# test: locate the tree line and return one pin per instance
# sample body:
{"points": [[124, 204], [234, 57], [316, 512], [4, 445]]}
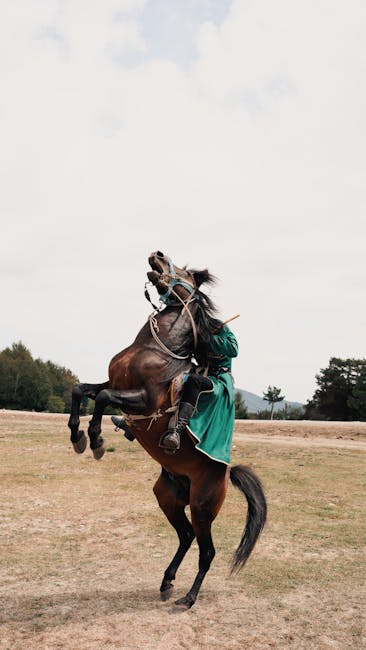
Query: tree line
{"points": [[340, 396], [33, 384], [272, 396], [341, 392]]}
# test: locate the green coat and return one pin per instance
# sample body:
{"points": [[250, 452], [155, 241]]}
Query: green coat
{"points": [[212, 425]]}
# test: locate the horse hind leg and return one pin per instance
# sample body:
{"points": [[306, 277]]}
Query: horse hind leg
{"points": [[78, 438], [202, 529], [205, 504], [172, 497]]}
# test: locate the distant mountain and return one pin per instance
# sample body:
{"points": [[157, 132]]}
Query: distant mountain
{"points": [[254, 403]]}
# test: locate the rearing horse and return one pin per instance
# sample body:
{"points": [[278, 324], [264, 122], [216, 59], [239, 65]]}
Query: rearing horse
{"points": [[140, 379]]}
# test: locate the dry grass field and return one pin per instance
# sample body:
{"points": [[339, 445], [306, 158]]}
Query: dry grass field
{"points": [[84, 544]]}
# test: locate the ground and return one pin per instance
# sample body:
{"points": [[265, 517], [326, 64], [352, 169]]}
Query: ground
{"points": [[84, 544]]}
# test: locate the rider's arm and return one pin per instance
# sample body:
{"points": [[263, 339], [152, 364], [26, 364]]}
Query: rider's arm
{"points": [[225, 343]]}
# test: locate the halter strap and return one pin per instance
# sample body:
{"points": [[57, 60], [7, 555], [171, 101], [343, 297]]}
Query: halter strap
{"points": [[174, 279]]}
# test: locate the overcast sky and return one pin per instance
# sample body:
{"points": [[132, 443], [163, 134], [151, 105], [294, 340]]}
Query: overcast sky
{"points": [[230, 134]]}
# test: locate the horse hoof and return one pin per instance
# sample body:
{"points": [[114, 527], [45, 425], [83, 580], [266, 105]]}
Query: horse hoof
{"points": [[80, 445], [183, 603], [98, 453], [166, 594]]}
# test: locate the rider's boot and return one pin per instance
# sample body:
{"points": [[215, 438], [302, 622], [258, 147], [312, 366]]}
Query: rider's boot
{"points": [[120, 423], [170, 441]]}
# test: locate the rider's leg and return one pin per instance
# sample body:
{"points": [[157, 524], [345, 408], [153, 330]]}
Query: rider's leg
{"points": [[120, 423], [193, 387]]}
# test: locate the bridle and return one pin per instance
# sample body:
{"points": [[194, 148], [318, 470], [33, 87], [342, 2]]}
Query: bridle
{"points": [[171, 279]]}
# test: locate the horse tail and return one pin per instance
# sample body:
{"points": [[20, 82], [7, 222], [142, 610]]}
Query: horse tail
{"points": [[248, 483]]}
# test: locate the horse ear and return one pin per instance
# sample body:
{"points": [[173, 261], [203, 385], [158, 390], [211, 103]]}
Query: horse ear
{"points": [[201, 277]]}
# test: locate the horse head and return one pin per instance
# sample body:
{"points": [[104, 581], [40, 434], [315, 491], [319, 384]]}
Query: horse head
{"points": [[170, 280]]}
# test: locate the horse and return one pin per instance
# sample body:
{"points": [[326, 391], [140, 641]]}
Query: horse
{"points": [[140, 383]]}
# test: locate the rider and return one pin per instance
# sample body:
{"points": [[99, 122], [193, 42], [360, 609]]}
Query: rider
{"points": [[207, 401]]}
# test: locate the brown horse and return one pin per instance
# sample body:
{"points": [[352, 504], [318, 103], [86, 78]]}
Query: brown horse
{"points": [[140, 379]]}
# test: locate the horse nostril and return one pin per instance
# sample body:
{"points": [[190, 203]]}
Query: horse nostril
{"points": [[159, 254]]}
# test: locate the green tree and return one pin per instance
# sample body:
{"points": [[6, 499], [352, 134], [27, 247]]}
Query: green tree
{"points": [[357, 400], [24, 383], [62, 382], [37, 389], [265, 414], [273, 395], [18, 352], [55, 404], [294, 412], [339, 392], [30, 384], [241, 411], [289, 413], [9, 379]]}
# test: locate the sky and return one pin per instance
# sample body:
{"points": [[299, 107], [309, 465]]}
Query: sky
{"points": [[229, 134]]}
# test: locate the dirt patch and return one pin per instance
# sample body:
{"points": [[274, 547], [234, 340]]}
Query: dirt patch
{"points": [[84, 544]]}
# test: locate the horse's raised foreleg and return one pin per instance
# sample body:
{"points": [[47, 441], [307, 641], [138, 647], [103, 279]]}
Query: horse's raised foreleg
{"points": [[130, 401], [173, 496], [77, 437], [205, 504]]}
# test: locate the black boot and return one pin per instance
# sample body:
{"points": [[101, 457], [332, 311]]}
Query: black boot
{"points": [[120, 423], [170, 441]]}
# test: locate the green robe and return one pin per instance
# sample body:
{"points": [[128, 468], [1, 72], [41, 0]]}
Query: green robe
{"points": [[212, 425]]}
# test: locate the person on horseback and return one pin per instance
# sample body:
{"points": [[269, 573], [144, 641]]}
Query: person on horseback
{"points": [[207, 396], [207, 401]]}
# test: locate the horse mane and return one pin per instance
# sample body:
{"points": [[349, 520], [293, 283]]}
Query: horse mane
{"points": [[207, 324], [206, 319]]}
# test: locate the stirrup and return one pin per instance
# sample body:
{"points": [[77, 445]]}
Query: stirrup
{"points": [[172, 449]]}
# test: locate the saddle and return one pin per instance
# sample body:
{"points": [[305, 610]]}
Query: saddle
{"points": [[175, 390]]}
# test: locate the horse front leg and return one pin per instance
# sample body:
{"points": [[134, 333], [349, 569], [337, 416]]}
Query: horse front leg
{"points": [[78, 438], [130, 401]]}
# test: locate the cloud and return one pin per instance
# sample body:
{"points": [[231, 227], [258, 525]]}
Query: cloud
{"points": [[249, 160]]}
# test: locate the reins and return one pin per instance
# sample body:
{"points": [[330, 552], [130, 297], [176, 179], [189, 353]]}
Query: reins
{"points": [[154, 328], [185, 304]]}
